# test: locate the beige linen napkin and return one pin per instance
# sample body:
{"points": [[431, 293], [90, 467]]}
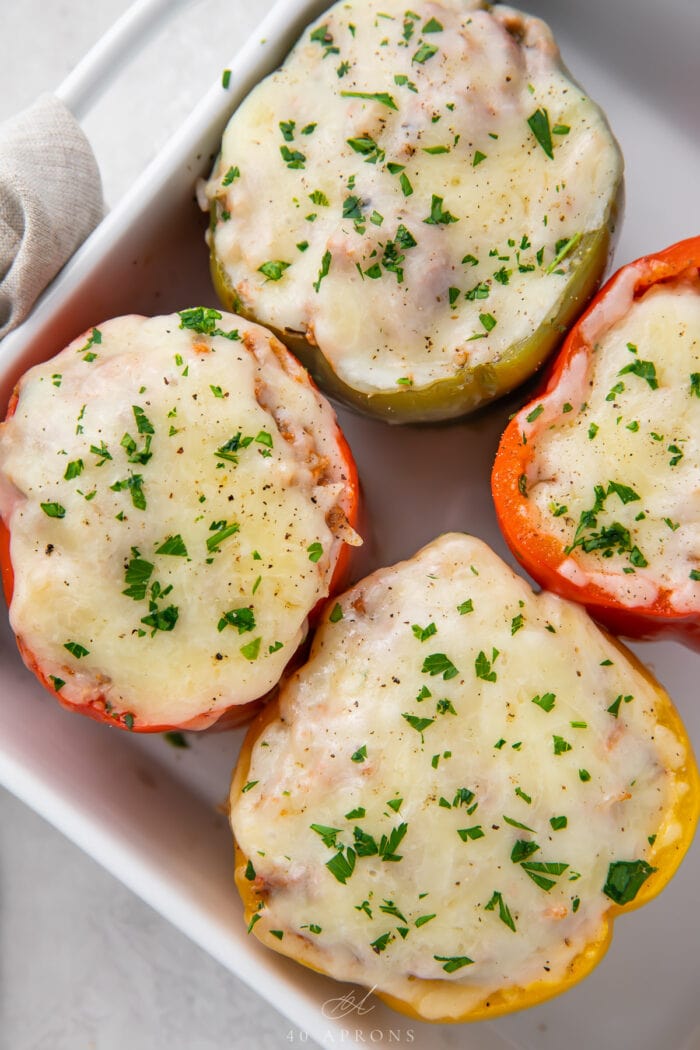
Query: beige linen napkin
{"points": [[50, 200]]}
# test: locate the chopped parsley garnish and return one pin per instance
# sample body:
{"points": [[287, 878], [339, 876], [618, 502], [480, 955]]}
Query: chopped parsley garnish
{"points": [[76, 649], [222, 531], [159, 619], [424, 52], [403, 81], [336, 613], [323, 272], [137, 576], [102, 451], [406, 187], [417, 723], [360, 755], [546, 701], [644, 369], [230, 176], [377, 96], [53, 510], [479, 291], [611, 538], [94, 340], [504, 913], [438, 216], [625, 879], [423, 633], [242, 620], [478, 158], [465, 607], [439, 664], [315, 552], [539, 870], [134, 485], [174, 545], [614, 708], [369, 149], [483, 667], [273, 269], [74, 469], [389, 844], [477, 832], [517, 824], [251, 651], [564, 248], [293, 158], [560, 746], [389, 908], [381, 942], [539, 126], [328, 835], [203, 319], [56, 682], [453, 962], [422, 919], [677, 455], [523, 849], [557, 823]]}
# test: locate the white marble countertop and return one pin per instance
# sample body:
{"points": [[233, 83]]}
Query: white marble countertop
{"points": [[85, 964]]}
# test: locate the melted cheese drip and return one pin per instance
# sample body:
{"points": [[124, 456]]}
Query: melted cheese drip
{"points": [[378, 321], [482, 733], [196, 393], [647, 438]]}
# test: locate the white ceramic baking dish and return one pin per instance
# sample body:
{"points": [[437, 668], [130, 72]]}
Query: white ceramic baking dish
{"points": [[150, 814]]}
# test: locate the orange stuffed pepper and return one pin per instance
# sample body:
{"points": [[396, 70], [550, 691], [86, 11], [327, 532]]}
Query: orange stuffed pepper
{"points": [[597, 481]]}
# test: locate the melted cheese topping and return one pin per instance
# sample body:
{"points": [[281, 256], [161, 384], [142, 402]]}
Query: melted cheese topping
{"points": [[169, 495], [484, 752], [387, 192], [639, 431]]}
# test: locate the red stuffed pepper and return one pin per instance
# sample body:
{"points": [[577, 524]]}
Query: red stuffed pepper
{"points": [[597, 481], [177, 502]]}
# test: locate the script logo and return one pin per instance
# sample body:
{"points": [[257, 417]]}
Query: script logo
{"points": [[347, 1004]]}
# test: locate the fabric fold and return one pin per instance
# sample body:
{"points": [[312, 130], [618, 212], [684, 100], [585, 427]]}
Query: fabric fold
{"points": [[50, 200]]}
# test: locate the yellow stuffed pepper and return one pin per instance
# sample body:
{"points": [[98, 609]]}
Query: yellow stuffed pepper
{"points": [[460, 791]]}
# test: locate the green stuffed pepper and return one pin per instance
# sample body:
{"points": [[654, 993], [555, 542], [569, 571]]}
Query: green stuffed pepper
{"points": [[419, 202]]}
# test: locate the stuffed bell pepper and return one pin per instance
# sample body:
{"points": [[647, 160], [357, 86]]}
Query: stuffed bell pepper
{"points": [[418, 203], [455, 797], [597, 480], [177, 499]]}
